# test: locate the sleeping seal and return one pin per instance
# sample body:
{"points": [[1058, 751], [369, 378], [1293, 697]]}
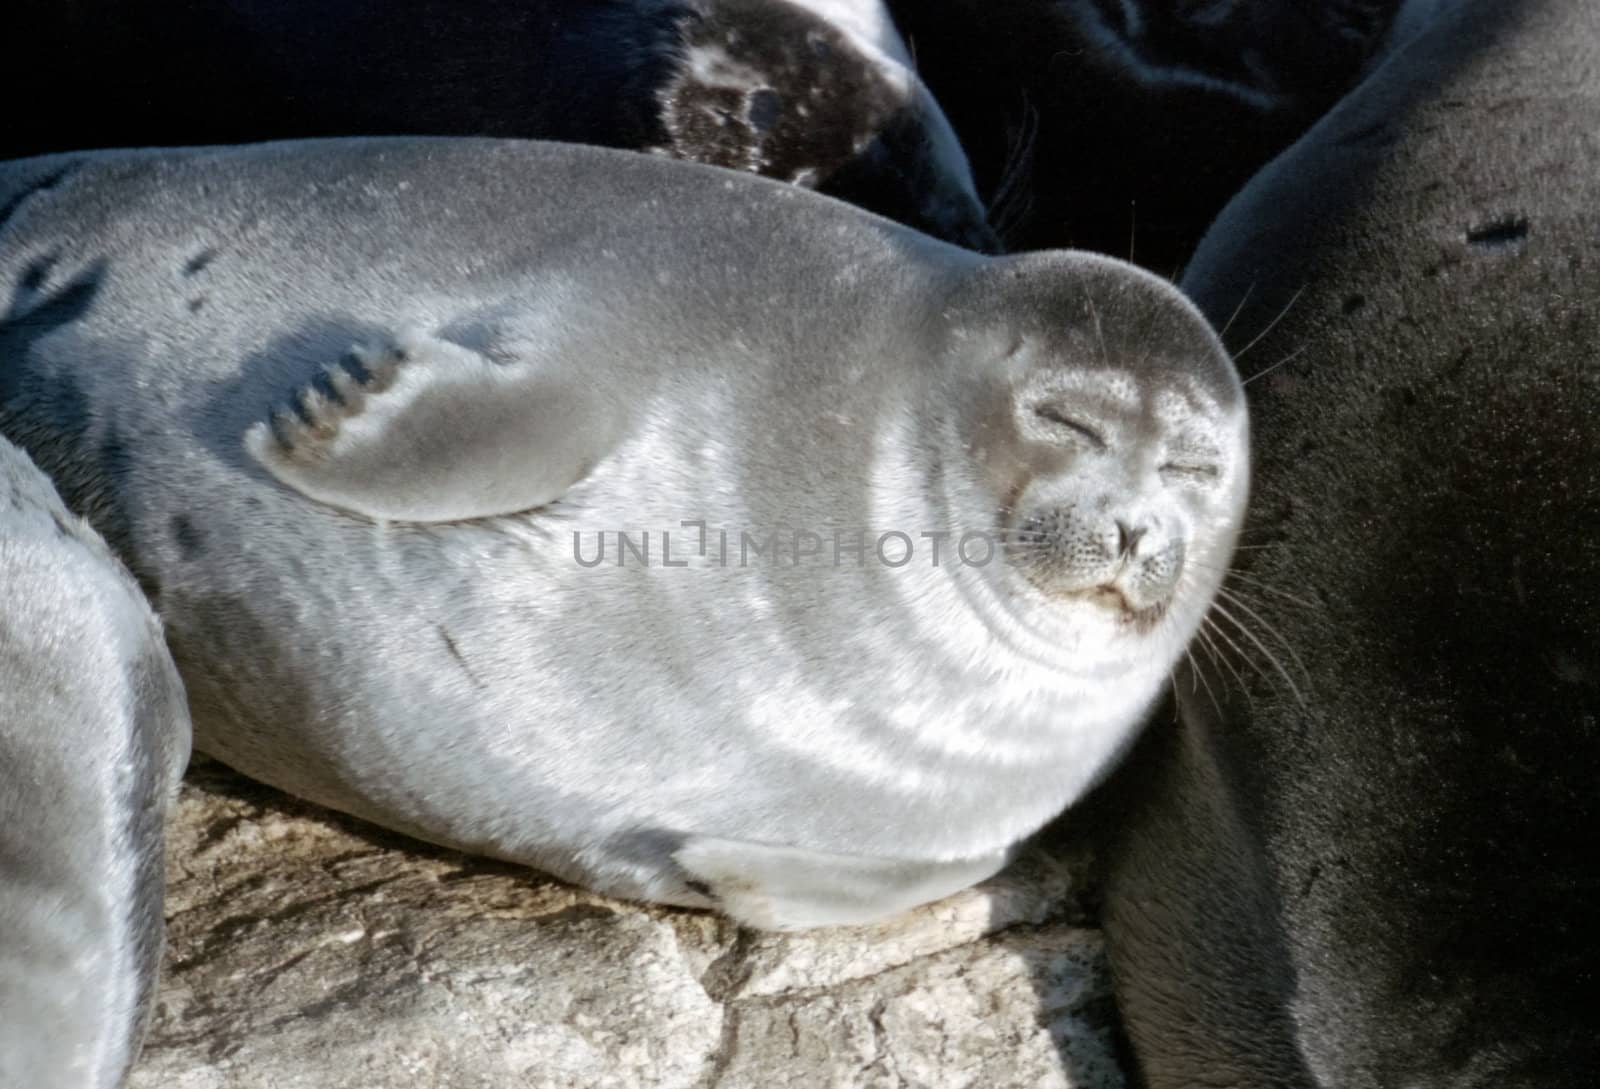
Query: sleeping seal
{"points": [[1392, 881], [93, 736], [680, 533], [821, 93]]}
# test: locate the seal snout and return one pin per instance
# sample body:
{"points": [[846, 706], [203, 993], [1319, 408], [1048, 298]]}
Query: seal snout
{"points": [[1129, 536], [1126, 561]]}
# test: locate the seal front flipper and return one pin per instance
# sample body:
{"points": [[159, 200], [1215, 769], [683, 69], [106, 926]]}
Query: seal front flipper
{"points": [[791, 888], [422, 429]]}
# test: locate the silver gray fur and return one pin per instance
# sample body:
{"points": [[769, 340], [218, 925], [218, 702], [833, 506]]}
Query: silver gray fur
{"points": [[633, 343], [93, 736]]}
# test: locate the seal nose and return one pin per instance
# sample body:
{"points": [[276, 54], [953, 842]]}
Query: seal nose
{"points": [[1128, 537]]}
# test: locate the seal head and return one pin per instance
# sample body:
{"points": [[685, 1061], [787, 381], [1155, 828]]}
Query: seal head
{"points": [[1113, 447], [821, 95]]}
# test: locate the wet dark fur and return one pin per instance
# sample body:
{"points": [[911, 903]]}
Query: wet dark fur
{"points": [[1393, 881], [1112, 157], [101, 73]]}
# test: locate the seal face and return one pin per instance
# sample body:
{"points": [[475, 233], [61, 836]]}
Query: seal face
{"points": [[1114, 526], [597, 523]]}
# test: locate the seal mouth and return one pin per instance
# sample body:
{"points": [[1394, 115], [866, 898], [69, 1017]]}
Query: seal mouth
{"points": [[1111, 597]]}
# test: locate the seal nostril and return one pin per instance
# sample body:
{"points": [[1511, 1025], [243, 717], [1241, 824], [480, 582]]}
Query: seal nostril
{"points": [[1128, 537]]}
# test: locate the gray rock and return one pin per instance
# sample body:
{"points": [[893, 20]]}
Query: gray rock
{"points": [[306, 950]]}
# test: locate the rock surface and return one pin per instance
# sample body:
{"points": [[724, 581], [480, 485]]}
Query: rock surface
{"points": [[306, 950]]}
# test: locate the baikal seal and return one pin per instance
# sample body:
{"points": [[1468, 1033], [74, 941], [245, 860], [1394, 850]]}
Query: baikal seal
{"points": [[343, 406]]}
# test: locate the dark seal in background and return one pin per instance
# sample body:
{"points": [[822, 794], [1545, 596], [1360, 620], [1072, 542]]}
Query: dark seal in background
{"points": [[1111, 111], [1392, 879], [761, 85]]}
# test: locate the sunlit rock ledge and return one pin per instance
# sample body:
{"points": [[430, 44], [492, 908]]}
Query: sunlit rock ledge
{"points": [[306, 950]]}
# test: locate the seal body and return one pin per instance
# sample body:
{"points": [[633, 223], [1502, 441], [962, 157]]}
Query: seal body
{"points": [[1391, 881], [362, 415], [93, 735], [821, 93], [1124, 126]]}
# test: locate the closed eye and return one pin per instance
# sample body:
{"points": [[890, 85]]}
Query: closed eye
{"points": [[1056, 414], [1196, 472]]}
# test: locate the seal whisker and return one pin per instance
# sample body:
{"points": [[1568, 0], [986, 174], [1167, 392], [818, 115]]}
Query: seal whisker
{"points": [[1021, 211], [1099, 330], [1254, 533], [1230, 573], [1236, 310], [1271, 325], [1244, 658], [1204, 634], [1199, 675], [1217, 629], [1265, 587], [1151, 342], [1004, 210], [1244, 603], [1010, 171], [1291, 357], [1244, 630]]}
